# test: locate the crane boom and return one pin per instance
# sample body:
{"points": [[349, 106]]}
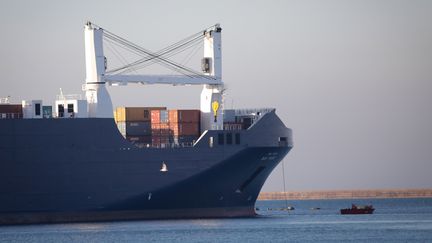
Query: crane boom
{"points": [[161, 79]]}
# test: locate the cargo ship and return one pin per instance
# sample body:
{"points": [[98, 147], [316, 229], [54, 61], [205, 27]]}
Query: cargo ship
{"points": [[82, 160]]}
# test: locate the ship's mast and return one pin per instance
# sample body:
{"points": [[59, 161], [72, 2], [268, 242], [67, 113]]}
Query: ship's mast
{"points": [[99, 101], [211, 95]]}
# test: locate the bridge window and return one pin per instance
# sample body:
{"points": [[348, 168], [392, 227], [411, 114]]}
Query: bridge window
{"points": [[37, 109], [283, 141], [60, 110], [221, 139], [229, 138], [237, 138], [70, 108]]}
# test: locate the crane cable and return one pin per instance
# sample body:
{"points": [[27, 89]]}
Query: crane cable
{"points": [[146, 61], [146, 58], [128, 67], [148, 53], [157, 57]]}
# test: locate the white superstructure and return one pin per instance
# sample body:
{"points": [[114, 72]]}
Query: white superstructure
{"points": [[70, 106], [32, 109]]}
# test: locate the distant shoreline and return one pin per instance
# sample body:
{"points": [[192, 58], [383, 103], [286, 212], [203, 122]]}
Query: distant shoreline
{"points": [[347, 194]]}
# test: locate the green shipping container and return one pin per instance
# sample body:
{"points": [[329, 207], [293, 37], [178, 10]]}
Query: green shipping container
{"points": [[47, 111]]}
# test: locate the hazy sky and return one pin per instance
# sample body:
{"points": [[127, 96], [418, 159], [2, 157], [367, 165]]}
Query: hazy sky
{"points": [[353, 79]]}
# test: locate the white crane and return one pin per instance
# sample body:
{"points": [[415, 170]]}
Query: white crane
{"points": [[99, 101]]}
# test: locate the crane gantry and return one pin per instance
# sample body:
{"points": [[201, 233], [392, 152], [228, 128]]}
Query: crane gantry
{"points": [[97, 77]]}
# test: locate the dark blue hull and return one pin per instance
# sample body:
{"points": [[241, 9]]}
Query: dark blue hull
{"points": [[66, 170]]}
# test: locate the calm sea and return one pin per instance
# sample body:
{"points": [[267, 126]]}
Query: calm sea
{"points": [[395, 220]]}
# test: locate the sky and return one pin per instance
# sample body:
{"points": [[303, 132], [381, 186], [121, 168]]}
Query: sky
{"points": [[353, 79]]}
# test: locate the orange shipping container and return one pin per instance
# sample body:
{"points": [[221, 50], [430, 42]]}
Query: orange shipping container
{"points": [[161, 132], [160, 126], [161, 129], [159, 116], [185, 129], [184, 116], [155, 116]]}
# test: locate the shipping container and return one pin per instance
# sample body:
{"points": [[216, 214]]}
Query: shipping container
{"points": [[138, 128], [132, 114], [139, 139], [160, 125], [142, 128], [158, 141], [185, 129], [11, 111], [163, 116], [159, 116], [155, 116], [164, 139], [161, 129], [47, 111], [115, 115], [184, 116], [122, 128]]}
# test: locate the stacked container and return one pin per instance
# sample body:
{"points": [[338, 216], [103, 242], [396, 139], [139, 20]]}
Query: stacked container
{"points": [[158, 127], [11, 111], [134, 123], [185, 126], [122, 114], [161, 132]]}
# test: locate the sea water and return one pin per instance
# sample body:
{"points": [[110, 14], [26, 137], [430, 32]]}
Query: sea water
{"points": [[394, 220]]}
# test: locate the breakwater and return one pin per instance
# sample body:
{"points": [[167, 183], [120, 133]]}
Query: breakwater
{"points": [[347, 194]]}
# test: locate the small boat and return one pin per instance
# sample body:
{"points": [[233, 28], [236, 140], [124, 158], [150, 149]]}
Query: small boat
{"points": [[289, 208], [364, 209]]}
